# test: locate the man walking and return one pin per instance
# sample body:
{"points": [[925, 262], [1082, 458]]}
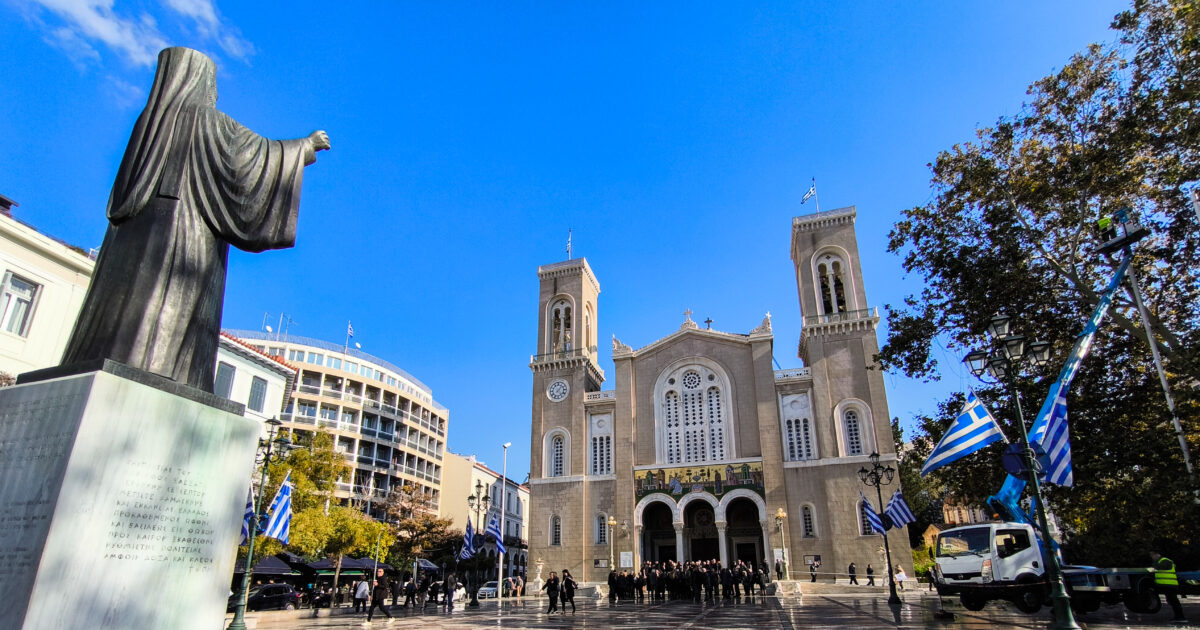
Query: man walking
{"points": [[379, 598], [853, 573], [812, 569], [1166, 580], [362, 592]]}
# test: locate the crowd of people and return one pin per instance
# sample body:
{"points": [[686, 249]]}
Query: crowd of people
{"points": [[697, 580]]}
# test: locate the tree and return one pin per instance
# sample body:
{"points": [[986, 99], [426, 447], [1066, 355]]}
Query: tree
{"points": [[419, 531], [1009, 229]]}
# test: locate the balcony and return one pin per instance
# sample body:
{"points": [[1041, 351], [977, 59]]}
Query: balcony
{"points": [[793, 374], [599, 396]]}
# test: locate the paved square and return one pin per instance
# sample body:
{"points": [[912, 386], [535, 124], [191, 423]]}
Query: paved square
{"points": [[833, 610]]}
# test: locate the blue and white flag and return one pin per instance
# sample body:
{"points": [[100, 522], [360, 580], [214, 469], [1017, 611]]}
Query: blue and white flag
{"points": [[973, 429], [279, 519], [468, 548], [1055, 440], [898, 510], [249, 515], [872, 518], [349, 329], [493, 530], [812, 192]]}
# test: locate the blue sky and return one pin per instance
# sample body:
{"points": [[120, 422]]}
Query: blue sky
{"points": [[675, 139]]}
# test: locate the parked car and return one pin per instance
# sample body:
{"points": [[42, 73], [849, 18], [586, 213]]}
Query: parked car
{"points": [[268, 597], [487, 590]]}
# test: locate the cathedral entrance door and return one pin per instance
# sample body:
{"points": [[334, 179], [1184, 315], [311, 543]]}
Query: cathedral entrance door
{"points": [[658, 532], [748, 553], [701, 531]]}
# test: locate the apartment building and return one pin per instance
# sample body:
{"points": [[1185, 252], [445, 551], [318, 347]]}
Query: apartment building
{"points": [[383, 419]]}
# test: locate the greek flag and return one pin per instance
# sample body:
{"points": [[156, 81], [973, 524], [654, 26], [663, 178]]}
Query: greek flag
{"points": [[872, 518], [468, 548], [1056, 441], [899, 512], [493, 530], [812, 192], [279, 520], [973, 429], [249, 515], [349, 329]]}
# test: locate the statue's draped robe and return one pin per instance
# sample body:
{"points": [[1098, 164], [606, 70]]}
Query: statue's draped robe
{"points": [[192, 181]]}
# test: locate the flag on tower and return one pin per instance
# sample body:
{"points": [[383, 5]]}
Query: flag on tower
{"points": [[973, 429], [493, 530], [872, 518], [812, 192], [279, 520], [899, 512]]}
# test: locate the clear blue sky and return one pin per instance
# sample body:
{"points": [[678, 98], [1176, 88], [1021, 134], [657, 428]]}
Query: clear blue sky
{"points": [[675, 139]]}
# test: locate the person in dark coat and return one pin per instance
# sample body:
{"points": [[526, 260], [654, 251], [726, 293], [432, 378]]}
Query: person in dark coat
{"points": [[853, 573], [812, 569], [552, 587], [612, 586], [568, 591], [870, 575], [410, 593], [379, 597]]}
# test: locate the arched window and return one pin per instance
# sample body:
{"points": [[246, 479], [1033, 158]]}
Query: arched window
{"points": [[798, 439], [560, 326], [854, 442], [600, 428], [806, 516], [555, 531], [588, 339], [693, 416], [864, 523], [832, 274], [601, 529], [558, 456]]}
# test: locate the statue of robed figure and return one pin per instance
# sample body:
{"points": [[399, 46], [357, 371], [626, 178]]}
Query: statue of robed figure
{"points": [[191, 182]]}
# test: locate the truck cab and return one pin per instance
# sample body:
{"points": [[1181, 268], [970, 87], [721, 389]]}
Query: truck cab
{"points": [[991, 561]]}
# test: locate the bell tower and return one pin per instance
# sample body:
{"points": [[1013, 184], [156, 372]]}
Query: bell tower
{"points": [[838, 340]]}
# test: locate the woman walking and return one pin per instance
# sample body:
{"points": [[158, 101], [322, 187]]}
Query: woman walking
{"points": [[568, 589], [551, 588]]}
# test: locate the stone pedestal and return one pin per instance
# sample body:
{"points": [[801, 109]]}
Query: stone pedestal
{"points": [[121, 501]]}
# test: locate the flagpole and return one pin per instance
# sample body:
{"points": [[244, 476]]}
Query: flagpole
{"points": [[346, 346], [503, 505], [239, 613]]}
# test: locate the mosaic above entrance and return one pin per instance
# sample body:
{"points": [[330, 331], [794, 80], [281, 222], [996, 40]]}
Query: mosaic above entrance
{"points": [[716, 479]]}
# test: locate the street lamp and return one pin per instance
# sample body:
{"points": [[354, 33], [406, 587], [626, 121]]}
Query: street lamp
{"points": [[879, 475], [282, 445], [780, 515], [1003, 361], [477, 502], [612, 522]]}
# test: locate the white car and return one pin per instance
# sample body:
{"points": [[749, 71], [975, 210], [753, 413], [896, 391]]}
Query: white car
{"points": [[487, 590]]}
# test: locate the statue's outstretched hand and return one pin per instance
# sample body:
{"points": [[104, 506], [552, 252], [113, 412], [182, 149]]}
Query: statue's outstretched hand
{"points": [[320, 140]]}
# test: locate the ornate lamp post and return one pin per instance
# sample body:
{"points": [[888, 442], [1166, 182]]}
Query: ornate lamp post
{"points": [[780, 515], [879, 475], [612, 522], [1003, 361], [282, 445], [477, 502]]}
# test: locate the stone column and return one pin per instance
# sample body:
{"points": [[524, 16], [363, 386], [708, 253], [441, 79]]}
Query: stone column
{"points": [[679, 541], [638, 543], [767, 524], [722, 543]]}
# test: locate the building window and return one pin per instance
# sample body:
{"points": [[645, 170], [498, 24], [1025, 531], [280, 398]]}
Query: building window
{"points": [[864, 523], [316, 359], [806, 516], [555, 531], [694, 423], [601, 529], [18, 300], [560, 326], [831, 280], [223, 384], [854, 444], [558, 456], [296, 356], [307, 408], [602, 455], [258, 394]]}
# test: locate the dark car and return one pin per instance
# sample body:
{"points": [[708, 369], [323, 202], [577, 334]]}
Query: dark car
{"points": [[268, 597]]}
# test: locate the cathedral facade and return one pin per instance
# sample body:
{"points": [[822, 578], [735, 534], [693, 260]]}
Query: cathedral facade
{"points": [[700, 444]]}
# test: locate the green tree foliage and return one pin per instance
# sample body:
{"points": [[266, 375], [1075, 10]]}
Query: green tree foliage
{"points": [[419, 531], [1009, 229]]}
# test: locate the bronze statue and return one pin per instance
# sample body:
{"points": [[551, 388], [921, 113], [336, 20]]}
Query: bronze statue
{"points": [[192, 181]]}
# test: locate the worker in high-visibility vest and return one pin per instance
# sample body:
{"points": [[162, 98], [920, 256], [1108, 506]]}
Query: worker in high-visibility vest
{"points": [[1166, 581]]}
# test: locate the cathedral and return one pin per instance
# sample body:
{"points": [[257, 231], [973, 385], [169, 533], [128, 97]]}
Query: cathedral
{"points": [[700, 449]]}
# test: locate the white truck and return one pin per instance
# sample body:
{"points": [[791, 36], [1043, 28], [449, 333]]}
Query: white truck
{"points": [[1003, 561]]}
